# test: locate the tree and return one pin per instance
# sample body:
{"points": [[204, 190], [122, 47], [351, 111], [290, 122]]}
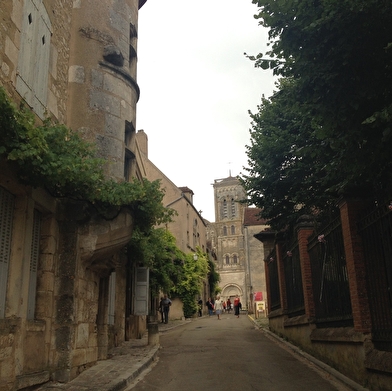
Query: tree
{"points": [[331, 115], [157, 250], [195, 271]]}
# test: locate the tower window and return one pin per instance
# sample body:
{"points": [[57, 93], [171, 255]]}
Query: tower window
{"points": [[233, 207]]}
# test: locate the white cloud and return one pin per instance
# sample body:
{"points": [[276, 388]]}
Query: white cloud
{"points": [[197, 87]]}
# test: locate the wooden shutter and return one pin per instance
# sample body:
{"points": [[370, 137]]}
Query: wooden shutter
{"points": [[34, 257], [6, 217], [33, 62], [141, 290]]}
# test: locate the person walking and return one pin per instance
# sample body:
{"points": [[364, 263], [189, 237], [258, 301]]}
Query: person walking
{"points": [[218, 306], [210, 306], [166, 303], [237, 306], [228, 305]]}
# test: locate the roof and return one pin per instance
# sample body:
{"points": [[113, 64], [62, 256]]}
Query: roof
{"points": [[186, 189], [252, 217]]}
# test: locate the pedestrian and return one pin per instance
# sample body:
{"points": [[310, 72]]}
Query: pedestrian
{"points": [[237, 306], [218, 306], [210, 306], [200, 306], [161, 308], [228, 305], [224, 305], [166, 303]]}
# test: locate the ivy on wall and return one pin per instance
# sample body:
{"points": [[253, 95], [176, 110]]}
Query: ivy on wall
{"points": [[53, 157]]}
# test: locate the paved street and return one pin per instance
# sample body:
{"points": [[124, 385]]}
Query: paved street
{"points": [[230, 354]]}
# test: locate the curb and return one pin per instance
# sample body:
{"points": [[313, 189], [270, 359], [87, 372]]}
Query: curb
{"points": [[125, 380], [325, 367]]}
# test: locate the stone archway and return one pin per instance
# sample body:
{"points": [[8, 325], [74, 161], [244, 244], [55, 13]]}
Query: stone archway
{"points": [[230, 291]]}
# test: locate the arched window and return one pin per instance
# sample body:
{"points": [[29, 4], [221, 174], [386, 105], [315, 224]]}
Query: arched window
{"points": [[233, 230], [235, 259], [227, 258], [224, 208], [224, 231], [232, 207]]}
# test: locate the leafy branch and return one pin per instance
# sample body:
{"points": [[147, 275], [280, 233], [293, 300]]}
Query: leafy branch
{"points": [[53, 157]]}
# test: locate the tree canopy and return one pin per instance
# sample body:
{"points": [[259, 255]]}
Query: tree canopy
{"points": [[326, 131]]}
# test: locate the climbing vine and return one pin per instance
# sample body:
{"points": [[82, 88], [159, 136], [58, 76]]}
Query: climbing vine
{"points": [[53, 157]]}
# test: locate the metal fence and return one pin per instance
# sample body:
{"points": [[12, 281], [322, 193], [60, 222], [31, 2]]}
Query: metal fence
{"points": [[293, 279], [329, 275], [375, 228], [272, 265]]}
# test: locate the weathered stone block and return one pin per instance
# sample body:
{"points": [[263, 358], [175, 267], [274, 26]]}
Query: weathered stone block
{"points": [[82, 335]]}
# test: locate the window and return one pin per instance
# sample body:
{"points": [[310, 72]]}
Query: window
{"points": [[34, 257], [235, 259], [224, 231], [6, 218], [232, 207], [33, 62], [129, 161], [233, 230], [132, 43], [227, 258], [224, 208]]}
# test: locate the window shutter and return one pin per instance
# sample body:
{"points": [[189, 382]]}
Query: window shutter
{"points": [[34, 257], [6, 216], [33, 62], [141, 290]]}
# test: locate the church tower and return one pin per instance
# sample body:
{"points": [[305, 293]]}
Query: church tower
{"points": [[228, 238]]}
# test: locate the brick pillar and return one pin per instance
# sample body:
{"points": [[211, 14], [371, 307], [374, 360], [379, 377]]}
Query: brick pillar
{"points": [[305, 228], [355, 262]]}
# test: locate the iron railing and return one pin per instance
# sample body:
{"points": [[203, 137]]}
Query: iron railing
{"points": [[375, 228], [272, 265], [293, 279], [329, 275]]}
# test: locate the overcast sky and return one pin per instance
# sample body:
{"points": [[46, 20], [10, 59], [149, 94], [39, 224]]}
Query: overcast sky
{"points": [[197, 88]]}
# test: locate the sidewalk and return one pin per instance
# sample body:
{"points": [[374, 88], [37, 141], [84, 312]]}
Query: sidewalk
{"points": [[126, 362], [262, 323]]}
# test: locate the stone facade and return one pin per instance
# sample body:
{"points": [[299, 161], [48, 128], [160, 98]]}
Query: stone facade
{"points": [[188, 226], [75, 62], [237, 252]]}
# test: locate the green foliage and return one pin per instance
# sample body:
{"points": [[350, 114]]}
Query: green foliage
{"points": [[157, 249], [195, 271], [326, 132], [213, 278], [53, 157]]}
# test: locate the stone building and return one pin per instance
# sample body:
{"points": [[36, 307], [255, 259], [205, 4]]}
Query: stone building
{"points": [[188, 226], [64, 273], [231, 237]]}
